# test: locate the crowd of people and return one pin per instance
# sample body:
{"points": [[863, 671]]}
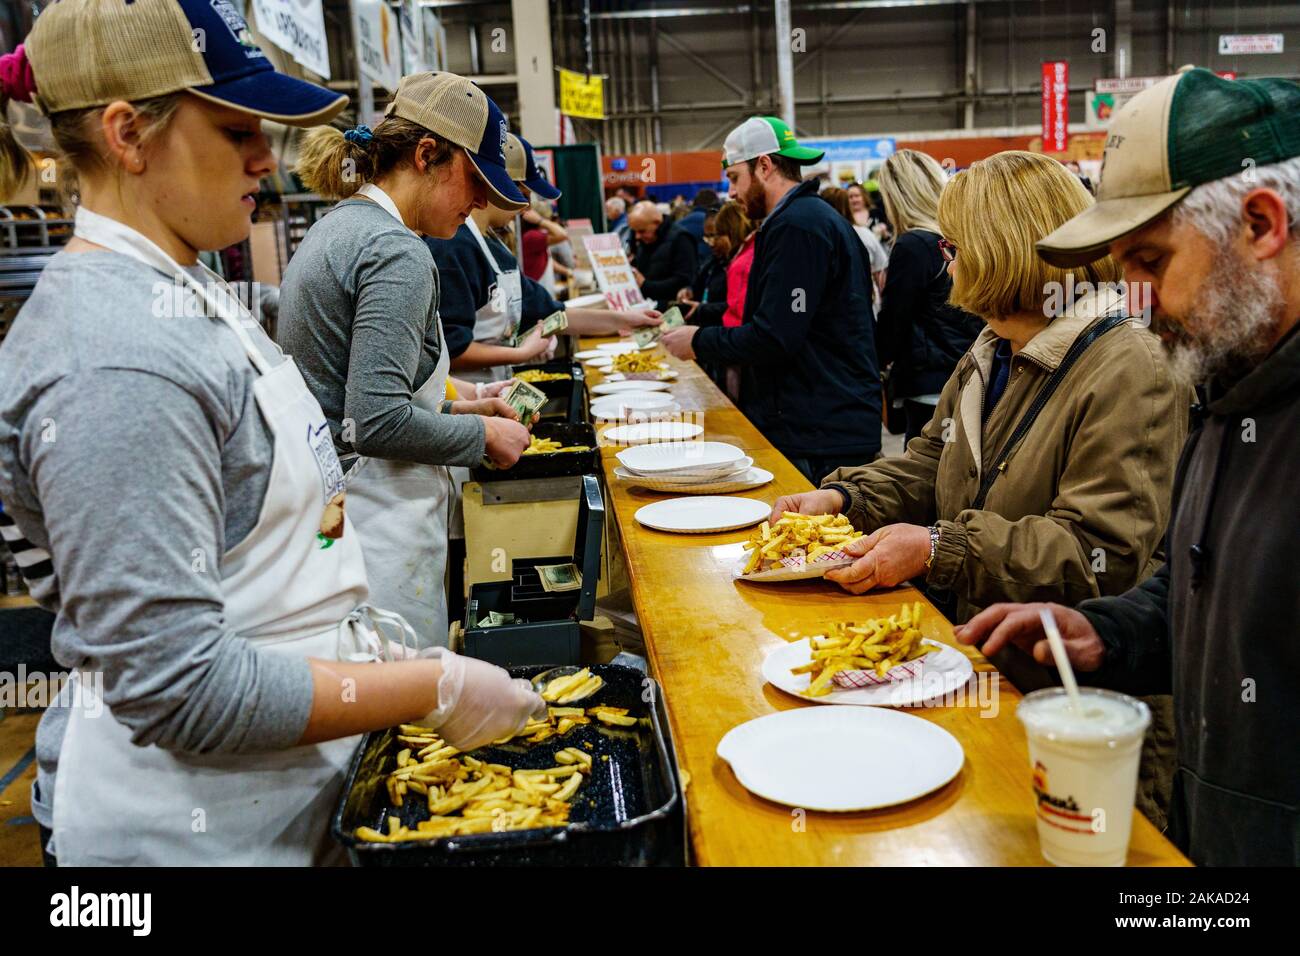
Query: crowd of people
{"points": [[1101, 400]]}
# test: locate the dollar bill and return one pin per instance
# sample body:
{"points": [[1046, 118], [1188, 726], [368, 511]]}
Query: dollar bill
{"points": [[671, 319], [525, 399], [559, 577], [496, 619], [554, 323], [644, 337]]}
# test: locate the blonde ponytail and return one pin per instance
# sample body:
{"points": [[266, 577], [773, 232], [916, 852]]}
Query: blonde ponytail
{"points": [[16, 163], [331, 165]]}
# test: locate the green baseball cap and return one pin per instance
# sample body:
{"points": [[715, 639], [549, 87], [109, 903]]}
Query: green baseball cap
{"points": [[761, 135], [1190, 128]]}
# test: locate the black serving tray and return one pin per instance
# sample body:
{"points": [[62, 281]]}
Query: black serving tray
{"points": [[564, 396], [629, 812], [554, 465]]}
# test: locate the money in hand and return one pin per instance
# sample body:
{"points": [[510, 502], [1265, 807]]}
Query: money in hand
{"points": [[554, 323], [671, 319], [525, 399], [644, 337], [559, 577]]}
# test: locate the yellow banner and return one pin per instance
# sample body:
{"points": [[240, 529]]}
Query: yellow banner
{"points": [[580, 96]]}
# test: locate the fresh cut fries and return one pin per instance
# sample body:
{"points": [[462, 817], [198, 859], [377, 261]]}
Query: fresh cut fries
{"points": [[872, 649], [796, 539], [466, 795]]}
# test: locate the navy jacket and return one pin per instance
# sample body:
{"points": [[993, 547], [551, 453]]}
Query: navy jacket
{"points": [[809, 379], [668, 264], [465, 282]]}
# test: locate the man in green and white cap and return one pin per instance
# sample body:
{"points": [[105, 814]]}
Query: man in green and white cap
{"points": [[1200, 202], [806, 345]]}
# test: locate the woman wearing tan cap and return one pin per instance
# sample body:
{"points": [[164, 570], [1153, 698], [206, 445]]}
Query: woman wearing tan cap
{"points": [[171, 485], [359, 312]]}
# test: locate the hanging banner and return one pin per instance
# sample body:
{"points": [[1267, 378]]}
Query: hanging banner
{"points": [[374, 29], [298, 28], [613, 272], [1239, 44], [1056, 106], [582, 96], [413, 54]]}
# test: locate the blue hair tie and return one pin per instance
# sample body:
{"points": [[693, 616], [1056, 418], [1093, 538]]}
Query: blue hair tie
{"points": [[359, 134]]}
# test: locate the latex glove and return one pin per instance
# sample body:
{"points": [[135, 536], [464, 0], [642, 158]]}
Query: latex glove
{"points": [[478, 702]]}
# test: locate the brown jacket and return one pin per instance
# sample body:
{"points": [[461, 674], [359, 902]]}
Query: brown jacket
{"points": [[1081, 507]]}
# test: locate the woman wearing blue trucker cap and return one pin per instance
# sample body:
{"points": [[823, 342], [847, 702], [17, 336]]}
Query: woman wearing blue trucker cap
{"points": [[171, 481], [359, 312]]}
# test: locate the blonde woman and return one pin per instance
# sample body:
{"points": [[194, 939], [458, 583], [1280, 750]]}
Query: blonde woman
{"points": [[169, 482], [919, 335], [359, 311], [1074, 506]]}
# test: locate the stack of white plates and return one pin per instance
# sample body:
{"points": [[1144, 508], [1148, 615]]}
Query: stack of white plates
{"points": [[690, 461]]}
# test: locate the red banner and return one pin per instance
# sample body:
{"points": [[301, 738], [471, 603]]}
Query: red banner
{"points": [[1056, 106]]}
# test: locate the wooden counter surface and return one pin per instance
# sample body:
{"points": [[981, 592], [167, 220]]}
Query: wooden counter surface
{"points": [[706, 636]]}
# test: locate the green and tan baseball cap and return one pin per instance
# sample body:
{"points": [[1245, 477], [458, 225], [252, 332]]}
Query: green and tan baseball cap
{"points": [[1190, 128], [761, 135], [452, 107]]}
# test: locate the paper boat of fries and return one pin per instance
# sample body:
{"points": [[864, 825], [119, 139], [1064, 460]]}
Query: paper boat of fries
{"points": [[800, 570]]}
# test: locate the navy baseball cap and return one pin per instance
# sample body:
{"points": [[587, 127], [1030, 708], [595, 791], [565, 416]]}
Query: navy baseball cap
{"points": [[452, 107], [535, 178], [92, 52]]}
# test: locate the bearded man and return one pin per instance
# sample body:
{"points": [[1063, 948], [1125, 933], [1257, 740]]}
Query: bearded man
{"points": [[1200, 202]]}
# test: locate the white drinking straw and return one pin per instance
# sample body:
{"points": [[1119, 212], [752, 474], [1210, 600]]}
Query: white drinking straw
{"points": [[1062, 662]]}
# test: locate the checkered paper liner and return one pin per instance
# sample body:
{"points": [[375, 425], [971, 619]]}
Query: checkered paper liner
{"points": [[869, 678], [798, 558]]}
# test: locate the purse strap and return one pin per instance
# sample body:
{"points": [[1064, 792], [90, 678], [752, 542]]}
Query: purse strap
{"points": [[1077, 348]]}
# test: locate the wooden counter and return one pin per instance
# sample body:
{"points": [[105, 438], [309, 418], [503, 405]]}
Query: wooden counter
{"points": [[706, 636]]}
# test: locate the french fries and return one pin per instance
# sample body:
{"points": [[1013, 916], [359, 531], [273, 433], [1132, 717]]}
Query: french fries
{"points": [[876, 645], [565, 690], [537, 375], [809, 536], [637, 362], [548, 446], [467, 795]]}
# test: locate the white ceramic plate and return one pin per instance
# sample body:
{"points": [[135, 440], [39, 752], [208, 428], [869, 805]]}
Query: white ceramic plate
{"points": [[588, 354], [589, 301], [652, 431], [613, 388], [664, 376], [807, 573], [941, 673], [695, 456], [744, 481], [703, 514], [637, 401], [841, 759], [602, 362]]}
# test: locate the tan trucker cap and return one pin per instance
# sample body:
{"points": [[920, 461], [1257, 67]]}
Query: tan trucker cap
{"points": [[452, 107]]}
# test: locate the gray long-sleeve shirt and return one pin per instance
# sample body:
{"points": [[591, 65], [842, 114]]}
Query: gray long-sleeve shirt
{"points": [[130, 443], [359, 314]]}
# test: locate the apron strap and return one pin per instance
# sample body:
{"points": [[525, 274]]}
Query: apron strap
{"points": [[361, 637], [482, 244]]}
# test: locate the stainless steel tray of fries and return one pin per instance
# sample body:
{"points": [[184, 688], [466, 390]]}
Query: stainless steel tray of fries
{"points": [[595, 783]]}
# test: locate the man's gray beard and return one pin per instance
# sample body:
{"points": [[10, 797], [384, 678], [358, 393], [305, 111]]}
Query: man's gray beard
{"points": [[1239, 308]]}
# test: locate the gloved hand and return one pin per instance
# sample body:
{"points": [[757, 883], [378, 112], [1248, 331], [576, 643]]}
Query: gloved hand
{"points": [[478, 702]]}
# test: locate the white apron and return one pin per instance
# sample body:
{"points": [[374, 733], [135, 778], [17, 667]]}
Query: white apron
{"points": [[295, 585], [401, 509], [503, 312]]}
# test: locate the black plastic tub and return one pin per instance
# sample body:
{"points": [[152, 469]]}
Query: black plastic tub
{"points": [[564, 396], [628, 813], [555, 464]]}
